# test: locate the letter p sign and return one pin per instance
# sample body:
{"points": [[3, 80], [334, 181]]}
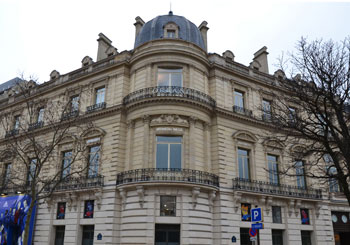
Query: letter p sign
{"points": [[256, 214]]}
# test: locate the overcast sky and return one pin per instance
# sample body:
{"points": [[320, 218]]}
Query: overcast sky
{"points": [[40, 36]]}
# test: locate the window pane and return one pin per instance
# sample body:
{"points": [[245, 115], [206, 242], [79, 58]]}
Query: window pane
{"points": [[89, 209], [176, 79], [167, 205], [277, 237], [172, 139], [239, 99], [66, 163], [75, 103], [59, 237], [170, 77], [61, 210], [162, 156], [32, 168], [175, 156], [163, 79], [100, 95], [273, 169], [243, 164], [276, 214], [94, 159], [305, 237], [299, 169], [41, 114], [88, 235]]}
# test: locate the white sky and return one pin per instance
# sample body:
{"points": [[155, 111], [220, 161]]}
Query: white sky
{"points": [[37, 37]]}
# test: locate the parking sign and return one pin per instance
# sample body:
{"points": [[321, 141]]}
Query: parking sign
{"points": [[256, 214]]}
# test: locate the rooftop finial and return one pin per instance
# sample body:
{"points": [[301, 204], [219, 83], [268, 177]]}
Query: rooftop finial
{"points": [[170, 12]]}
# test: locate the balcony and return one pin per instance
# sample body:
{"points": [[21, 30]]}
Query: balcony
{"points": [[167, 175], [96, 107], [36, 125], [76, 183], [169, 91], [70, 115], [243, 111], [262, 187], [11, 133]]}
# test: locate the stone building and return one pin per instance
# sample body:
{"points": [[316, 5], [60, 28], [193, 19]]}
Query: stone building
{"points": [[181, 152]]}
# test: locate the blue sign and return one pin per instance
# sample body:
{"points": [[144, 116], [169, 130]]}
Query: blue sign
{"points": [[256, 215], [234, 239], [99, 236], [253, 232], [258, 226]]}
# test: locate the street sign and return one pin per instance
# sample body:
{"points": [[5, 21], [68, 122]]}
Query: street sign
{"points": [[234, 239], [256, 215], [258, 226], [253, 232], [253, 239]]}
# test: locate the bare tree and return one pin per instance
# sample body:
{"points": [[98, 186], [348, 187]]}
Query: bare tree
{"points": [[34, 139], [313, 111]]}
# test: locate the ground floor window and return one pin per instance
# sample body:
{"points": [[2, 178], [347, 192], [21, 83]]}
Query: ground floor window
{"points": [[306, 237], [88, 235], [277, 237], [167, 234], [245, 238], [59, 236]]}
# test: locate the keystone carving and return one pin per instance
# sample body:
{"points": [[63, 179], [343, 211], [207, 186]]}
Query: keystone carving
{"points": [[174, 120]]}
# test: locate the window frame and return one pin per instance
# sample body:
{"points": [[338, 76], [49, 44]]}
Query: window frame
{"points": [[273, 172], [163, 203], [167, 228], [300, 176], [40, 115], [31, 169], [89, 161], [266, 113], [63, 161], [169, 143], [275, 217], [97, 95], [16, 122], [248, 156], [56, 232], [235, 92], [74, 102], [169, 71]]}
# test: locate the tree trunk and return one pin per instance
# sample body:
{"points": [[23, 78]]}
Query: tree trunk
{"points": [[27, 224]]}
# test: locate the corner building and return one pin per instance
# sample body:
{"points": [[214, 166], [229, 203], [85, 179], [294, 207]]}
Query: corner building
{"points": [[183, 154]]}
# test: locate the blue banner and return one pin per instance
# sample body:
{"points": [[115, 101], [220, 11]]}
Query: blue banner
{"points": [[13, 215]]}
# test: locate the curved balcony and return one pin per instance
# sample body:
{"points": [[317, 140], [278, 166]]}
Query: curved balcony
{"points": [[169, 91], [167, 175], [76, 183]]}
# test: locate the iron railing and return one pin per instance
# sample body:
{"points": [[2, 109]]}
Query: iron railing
{"points": [[11, 133], [76, 183], [36, 125], [167, 175], [243, 111], [70, 114], [169, 91], [275, 189], [96, 107]]}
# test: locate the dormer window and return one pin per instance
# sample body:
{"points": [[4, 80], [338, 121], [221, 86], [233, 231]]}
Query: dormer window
{"points": [[171, 30], [170, 33]]}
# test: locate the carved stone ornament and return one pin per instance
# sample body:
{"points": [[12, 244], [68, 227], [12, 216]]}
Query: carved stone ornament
{"points": [[141, 193], [173, 120], [195, 194]]}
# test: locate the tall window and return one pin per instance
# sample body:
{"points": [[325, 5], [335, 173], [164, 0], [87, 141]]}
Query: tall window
{"points": [[273, 169], [170, 77], [100, 95], [74, 103], [94, 160], [300, 173], [41, 114], [169, 152], [32, 169], [66, 163], [16, 122], [266, 106], [88, 235], [167, 205], [331, 170], [306, 237], [59, 236], [243, 164], [167, 234], [239, 99], [7, 173], [277, 237], [276, 214]]}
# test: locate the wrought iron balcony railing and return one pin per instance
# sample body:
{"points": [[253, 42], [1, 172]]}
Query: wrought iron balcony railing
{"points": [[243, 111], [167, 175], [76, 183], [169, 91], [36, 125], [11, 133], [70, 114], [96, 107], [273, 189]]}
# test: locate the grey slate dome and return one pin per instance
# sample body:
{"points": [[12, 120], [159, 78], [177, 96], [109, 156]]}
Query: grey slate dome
{"points": [[154, 29]]}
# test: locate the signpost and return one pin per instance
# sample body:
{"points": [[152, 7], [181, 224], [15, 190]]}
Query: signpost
{"points": [[257, 215]]}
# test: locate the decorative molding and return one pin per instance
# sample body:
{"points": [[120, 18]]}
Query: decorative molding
{"points": [[72, 200], [122, 194], [141, 193], [290, 207], [195, 194], [49, 202], [98, 198], [269, 202], [211, 197], [166, 120], [237, 200], [130, 124], [297, 207], [318, 209]]}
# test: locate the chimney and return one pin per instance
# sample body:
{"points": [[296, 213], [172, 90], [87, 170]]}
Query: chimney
{"points": [[260, 60], [204, 29], [138, 25], [103, 44]]}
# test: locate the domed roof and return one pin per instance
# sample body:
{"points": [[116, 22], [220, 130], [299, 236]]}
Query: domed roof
{"points": [[154, 29]]}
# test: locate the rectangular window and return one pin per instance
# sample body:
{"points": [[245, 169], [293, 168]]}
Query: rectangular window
{"points": [[304, 215], [61, 210], [16, 122], [331, 170], [167, 205], [167, 234], [59, 236], [245, 211], [32, 169], [306, 237], [100, 95], [239, 99], [273, 169], [94, 161], [170, 77], [89, 209], [7, 173], [169, 152], [243, 164], [41, 114], [66, 163], [88, 235], [266, 106], [277, 237], [74, 103], [171, 33], [300, 173], [276, 214]]}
